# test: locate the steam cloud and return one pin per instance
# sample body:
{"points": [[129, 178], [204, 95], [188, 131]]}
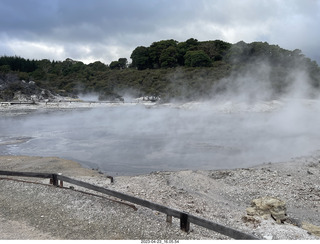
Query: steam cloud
{"points": [[244, 124]]}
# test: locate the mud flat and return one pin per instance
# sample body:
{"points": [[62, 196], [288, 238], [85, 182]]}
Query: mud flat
{"points": [[38, 211], [8, 109]]}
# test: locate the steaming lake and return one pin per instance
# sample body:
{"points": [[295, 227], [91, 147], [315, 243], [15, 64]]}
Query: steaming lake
{"points": [[135, 139]]}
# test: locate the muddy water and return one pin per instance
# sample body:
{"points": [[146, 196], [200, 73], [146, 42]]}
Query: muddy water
{"points": [[136, 139]]}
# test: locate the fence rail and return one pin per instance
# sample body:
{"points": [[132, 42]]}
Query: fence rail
{"points": [[185, 218]]}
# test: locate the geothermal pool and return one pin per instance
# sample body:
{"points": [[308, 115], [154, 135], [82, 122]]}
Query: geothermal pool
{"points": [[138, 139]]}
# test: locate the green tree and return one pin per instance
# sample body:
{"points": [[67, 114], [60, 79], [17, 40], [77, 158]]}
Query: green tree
{"points": [[169, 57], [18, 63], [98, 66], [123, 63], [5, 68], [192, 44], [114, 65], [216, 50], [197, 59], [238, 53], [156, 49], [140, 58], [183, 47]]}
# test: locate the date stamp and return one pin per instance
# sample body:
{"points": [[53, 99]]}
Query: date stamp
{"points": [[160, 241]]}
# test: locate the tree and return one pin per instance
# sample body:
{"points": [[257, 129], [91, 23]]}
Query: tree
{"points": [[183, 47], [120, 64], [5, 69], [44, 65], [114, 65], [197, 59], [156, 49], [18, 63], [169, 57], [238, 53], [192, 44], [123, 63], [216, 50], [98, 66], [140, 58]]}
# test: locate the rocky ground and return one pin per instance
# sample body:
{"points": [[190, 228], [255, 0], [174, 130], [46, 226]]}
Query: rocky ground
{"points": [[41, 211]]}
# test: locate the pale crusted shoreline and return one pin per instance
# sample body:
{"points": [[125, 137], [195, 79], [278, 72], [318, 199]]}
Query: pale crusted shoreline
{"points": [[33, 211]]}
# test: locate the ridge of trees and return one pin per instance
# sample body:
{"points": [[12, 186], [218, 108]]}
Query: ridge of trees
{"points": [[166, 68]]}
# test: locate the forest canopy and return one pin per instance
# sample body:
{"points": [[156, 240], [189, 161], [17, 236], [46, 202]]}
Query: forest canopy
{"points": [[167, 69]]}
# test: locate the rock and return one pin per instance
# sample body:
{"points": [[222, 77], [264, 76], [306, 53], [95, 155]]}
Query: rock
{"points": [[268, 207], [268, 237], [18, 96], [14, 89], [221, 174], [313, 229], [251, 219]]}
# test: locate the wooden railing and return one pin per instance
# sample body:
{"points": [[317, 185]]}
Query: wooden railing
{"points": [[185, 218]]}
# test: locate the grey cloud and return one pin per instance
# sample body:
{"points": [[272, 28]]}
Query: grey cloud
{"points": [[72, 19], [127, 24]]}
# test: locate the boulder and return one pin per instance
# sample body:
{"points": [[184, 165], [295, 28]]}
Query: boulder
{"points": [[313, 229], [266, 207]]}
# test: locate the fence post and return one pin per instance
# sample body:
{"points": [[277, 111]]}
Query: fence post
{"points": [[61, 182], [111, 178], [55, 180], [184, 223]]}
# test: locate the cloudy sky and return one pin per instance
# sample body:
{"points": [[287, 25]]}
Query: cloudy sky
{"points": [[105, 30]]}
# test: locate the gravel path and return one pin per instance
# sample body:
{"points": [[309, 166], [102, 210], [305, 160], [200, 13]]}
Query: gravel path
{"points": [[41, 211]]}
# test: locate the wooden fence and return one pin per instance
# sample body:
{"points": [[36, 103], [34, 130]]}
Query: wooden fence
{"points": [[185, 218]]}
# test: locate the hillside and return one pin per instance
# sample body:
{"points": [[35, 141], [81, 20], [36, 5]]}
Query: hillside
{"points": [[168, 69]]}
